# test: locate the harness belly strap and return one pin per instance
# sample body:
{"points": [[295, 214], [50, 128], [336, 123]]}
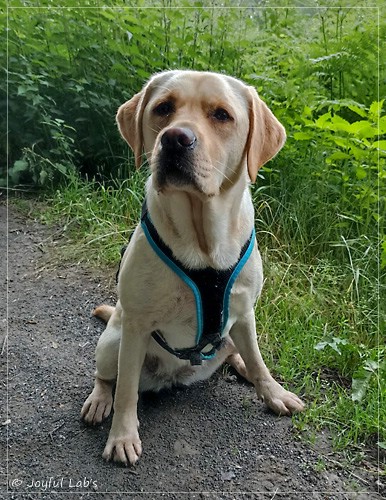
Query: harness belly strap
{"points": [[211, 289]]}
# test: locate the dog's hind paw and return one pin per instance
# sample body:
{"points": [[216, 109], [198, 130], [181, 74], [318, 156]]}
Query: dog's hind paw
{"points": [[97, 406]]}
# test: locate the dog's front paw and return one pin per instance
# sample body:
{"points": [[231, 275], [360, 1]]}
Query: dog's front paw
{"points": [[281, 401], [126, 449], [97, 406]]}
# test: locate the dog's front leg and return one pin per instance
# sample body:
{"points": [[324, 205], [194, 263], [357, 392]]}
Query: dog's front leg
{"points": [[124, 444], [281, 401]]}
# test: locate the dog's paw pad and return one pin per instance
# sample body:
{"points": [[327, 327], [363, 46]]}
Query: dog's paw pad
{"points": [[278, 399], [287, 404], [125, 450], [97, 408]]}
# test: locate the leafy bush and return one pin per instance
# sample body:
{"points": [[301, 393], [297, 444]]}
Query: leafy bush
{"points": [[78, 64]]}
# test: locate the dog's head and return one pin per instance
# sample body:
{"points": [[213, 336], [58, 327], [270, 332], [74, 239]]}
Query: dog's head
{"points": [[200, 131]]}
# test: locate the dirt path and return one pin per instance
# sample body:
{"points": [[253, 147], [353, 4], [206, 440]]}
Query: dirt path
{"points": [[212, 441]]}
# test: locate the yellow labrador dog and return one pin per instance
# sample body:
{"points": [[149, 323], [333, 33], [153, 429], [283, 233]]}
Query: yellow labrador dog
{"points": [[191, 274]]}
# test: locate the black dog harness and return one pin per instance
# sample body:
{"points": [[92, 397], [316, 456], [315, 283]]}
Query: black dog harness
{"points": [[211, 289]]}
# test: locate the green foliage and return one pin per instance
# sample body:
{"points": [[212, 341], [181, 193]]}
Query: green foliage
{"points": [[47, 171], [320, 204], [77, 64], [351, 172], [310, 334]]}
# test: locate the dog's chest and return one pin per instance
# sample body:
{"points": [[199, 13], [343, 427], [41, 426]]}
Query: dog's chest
{"points": [[178, 311]]}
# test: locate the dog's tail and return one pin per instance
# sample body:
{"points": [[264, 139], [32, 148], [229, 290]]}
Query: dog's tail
{"points": [[103, 312]]}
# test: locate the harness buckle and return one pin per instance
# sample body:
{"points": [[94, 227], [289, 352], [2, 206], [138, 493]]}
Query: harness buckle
{"points": [[195, 358]]}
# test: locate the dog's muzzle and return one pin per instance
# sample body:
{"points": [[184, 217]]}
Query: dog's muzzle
{"points": [[175, 163]]}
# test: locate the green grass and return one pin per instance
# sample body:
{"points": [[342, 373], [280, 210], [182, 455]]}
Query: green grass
{"points": [[313, 337], [94, 217], [316, 320]]}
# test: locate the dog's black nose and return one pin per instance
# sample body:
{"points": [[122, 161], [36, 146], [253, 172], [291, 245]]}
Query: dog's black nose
{"points": [[176, 138]]}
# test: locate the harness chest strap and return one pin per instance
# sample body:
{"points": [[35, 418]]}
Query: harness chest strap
{"points": [[211, 289]]}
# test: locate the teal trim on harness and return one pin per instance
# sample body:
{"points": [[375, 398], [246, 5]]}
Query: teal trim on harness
{"points": [[182, 275], [230, 284], [234, 275], [211, 289]]}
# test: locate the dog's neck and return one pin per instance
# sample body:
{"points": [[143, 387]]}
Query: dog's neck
{"points": [[203, 232], [198, 217]]}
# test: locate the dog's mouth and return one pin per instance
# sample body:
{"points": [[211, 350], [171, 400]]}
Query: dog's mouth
{"points": [[175, 164], [175, 170]]}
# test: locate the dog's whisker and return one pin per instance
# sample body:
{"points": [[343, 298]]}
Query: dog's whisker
{"points": [[164, 87], [223, 174], [234, 171], [148, 152]]}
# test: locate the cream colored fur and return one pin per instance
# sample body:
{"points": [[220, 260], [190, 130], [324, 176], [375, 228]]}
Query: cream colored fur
{"points": [[205, 223]]}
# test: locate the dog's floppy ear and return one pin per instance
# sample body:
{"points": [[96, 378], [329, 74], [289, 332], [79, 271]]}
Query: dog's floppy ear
{"points": [[129, 120], [266, 134]]}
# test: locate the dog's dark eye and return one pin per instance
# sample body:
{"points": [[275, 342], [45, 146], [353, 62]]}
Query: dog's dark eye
{"points": [[164, 108], [222, 115]]}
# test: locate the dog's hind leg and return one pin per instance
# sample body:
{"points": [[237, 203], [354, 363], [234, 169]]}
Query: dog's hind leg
{"points": [[236, 362]]}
